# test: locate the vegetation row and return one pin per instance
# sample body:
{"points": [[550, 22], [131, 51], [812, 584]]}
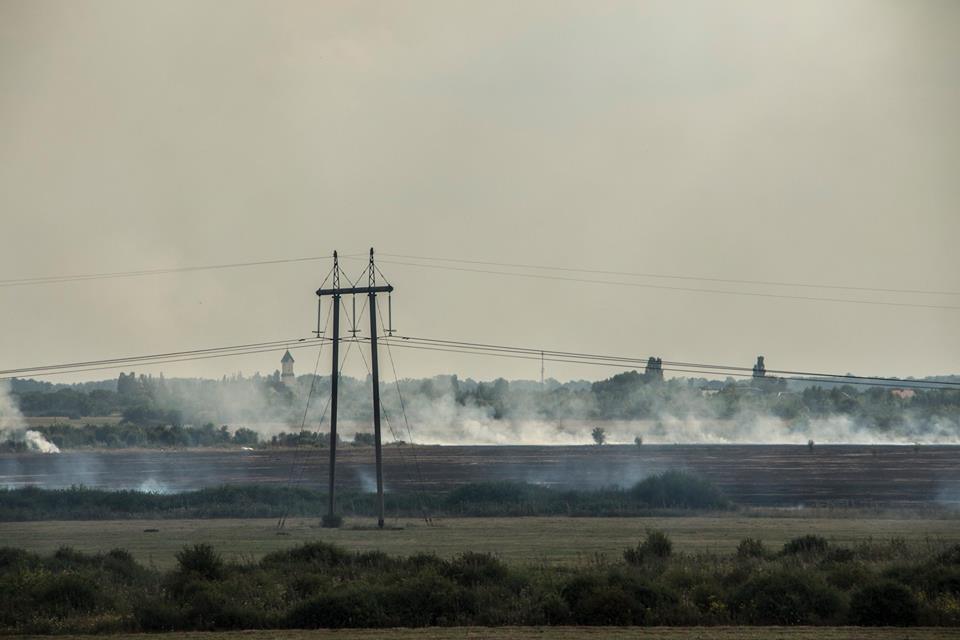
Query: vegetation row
{"points": [[318, 585], [672, 490]]}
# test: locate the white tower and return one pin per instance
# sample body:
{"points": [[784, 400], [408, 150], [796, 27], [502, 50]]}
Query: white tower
{"points": [[286, 375]]}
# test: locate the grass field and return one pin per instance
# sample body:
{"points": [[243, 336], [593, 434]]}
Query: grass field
{"points": [[565, 633], [568, 541]]}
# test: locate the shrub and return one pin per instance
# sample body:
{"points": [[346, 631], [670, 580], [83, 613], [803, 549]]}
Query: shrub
{"points": [[678, 489], [786, 597], [950, 556], [847, 575], [67, 592], [202, 560], [655, 545], [471, 569], [751, 548], [808, 544], [352, 607], [426, 599], [884, 604], [608, 606], [157, 615], [322, 554]]}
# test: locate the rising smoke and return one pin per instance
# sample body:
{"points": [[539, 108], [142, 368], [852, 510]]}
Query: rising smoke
{"points": [[13, 426]]}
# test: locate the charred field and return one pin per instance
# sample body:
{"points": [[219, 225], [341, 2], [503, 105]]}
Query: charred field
{"points": [[749, 475]]}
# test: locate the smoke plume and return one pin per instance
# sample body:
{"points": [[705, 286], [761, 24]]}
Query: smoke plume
{"points": [[13, 426]]}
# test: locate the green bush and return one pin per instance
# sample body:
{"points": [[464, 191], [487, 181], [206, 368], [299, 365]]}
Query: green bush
{"points": [[352, 607], [751, 548], [677, 489], [808, 544], [655, 546], [884, 604], [201, 560], [315, 554], [608, 606], [786, 597], [67, 592]]}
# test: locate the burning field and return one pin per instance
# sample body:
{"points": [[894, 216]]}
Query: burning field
{"points": [[757, 475]]}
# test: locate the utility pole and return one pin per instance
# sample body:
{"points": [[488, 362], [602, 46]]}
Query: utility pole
{"points": [[375, 374], [336, 292], [331, 520]]}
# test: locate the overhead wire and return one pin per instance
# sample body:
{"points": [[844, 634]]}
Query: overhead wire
{"points": [[642, 361], [677, 277], [38, 280], [643, 285]]}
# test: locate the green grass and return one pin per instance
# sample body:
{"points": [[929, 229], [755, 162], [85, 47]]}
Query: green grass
{"points": [[566, 541], [563, 633]]}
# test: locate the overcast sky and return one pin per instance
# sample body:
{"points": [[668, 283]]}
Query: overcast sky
{"points": [[812, 142]]}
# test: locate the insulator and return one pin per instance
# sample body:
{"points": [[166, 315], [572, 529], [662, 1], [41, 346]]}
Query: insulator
{"points": [[389, 314], [319, 305]]}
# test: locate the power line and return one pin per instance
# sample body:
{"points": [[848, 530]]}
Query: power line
{"points": [[642, 285], [676, 277], [641, 361], [470, 348], [19, 282], [169, 354], [895, 384]]}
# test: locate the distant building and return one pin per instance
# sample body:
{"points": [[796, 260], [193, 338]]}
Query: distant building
{"points": [[654, 369], [287, 376], [759, 369], [903, 394]]}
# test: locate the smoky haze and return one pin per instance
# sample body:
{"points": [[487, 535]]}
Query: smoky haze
{"points": [[801, 142]]}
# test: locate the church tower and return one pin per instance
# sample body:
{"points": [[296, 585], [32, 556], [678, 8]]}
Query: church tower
{"points": [[286, 376]]}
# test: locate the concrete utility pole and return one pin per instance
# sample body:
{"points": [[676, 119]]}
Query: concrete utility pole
{"points": [[336, 292], [334, 379], [375, 374]]}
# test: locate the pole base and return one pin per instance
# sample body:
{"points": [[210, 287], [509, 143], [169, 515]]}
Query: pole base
{"points": [[331, 521]]}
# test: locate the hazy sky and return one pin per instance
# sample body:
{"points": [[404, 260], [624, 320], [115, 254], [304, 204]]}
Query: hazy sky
{"points": [[814, 141]]}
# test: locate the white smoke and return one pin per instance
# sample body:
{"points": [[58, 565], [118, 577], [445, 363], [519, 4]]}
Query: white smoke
{"points": [[13, 426], [442, 420]]}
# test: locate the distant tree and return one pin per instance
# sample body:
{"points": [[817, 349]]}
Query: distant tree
{"points": [[244, 436], [599, 435], [638, 441], [363, 439]]}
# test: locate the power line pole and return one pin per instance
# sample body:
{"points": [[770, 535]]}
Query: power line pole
{"points": [[331, 519], [375, 375], [336, 292]]}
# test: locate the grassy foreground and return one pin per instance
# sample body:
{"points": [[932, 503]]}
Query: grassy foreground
{"points": [[562, 633], [563, 541]]}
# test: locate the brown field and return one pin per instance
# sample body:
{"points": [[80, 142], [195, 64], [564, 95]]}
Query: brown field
{"points": [[563, 541], [758, 475], [562, 633]]}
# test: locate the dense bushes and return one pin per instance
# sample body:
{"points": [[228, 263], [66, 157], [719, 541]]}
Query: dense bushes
{"points": [[146, 435], [235, 501], [786, 597], [679, 490], [884, 604], [321, 585]]}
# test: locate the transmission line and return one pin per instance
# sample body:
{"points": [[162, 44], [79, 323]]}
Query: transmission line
{"points": [[38, 280], [675, 277], [643, 285]]}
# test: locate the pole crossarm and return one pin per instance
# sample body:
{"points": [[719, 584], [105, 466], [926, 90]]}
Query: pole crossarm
{"points": [[354, 290]]}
